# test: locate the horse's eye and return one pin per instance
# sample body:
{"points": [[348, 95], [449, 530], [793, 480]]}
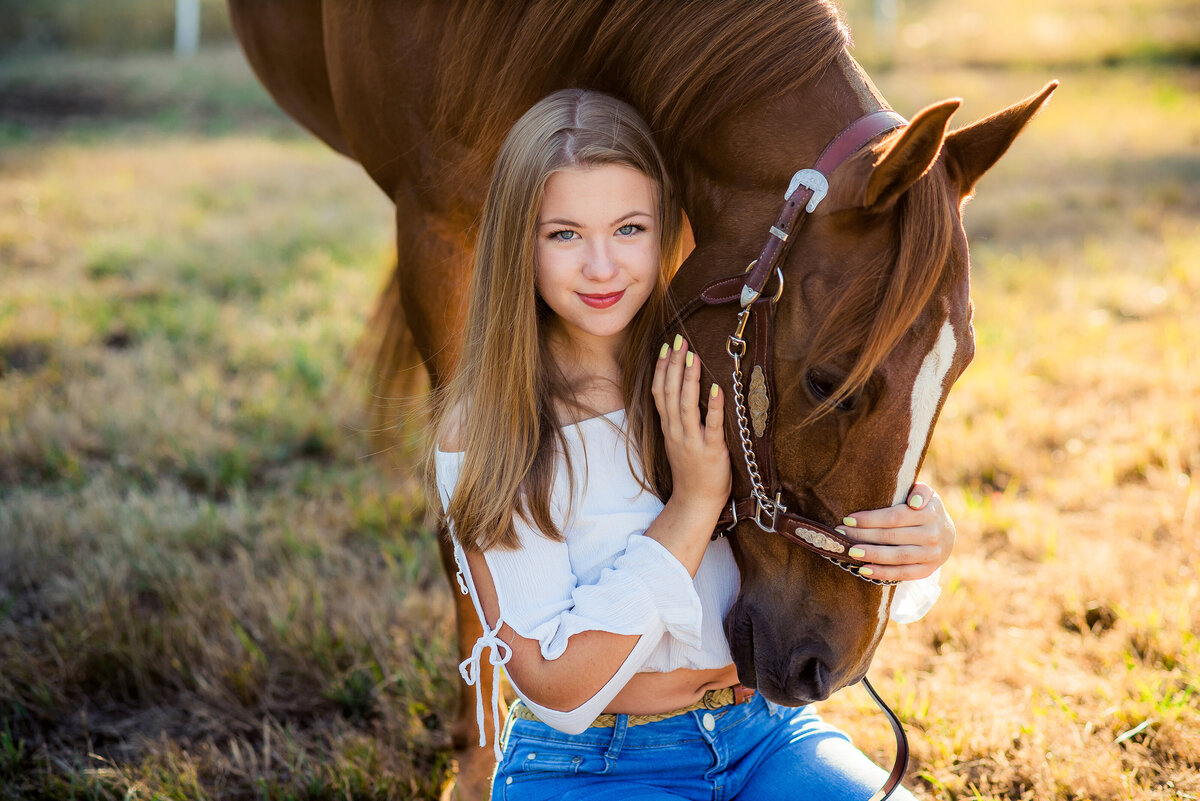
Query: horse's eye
{"points": [[822, 388]]}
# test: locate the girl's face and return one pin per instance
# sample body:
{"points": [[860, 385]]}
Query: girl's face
{"points": [[596, 253]]}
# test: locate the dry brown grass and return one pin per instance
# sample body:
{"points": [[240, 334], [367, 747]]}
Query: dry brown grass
{"points": [[207, 590]]}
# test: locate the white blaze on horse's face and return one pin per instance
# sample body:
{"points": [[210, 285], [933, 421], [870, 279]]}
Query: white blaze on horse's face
{"points": [[927, 392]]}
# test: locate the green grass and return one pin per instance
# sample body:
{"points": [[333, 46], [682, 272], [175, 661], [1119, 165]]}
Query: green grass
{"points": [[209, 589]]}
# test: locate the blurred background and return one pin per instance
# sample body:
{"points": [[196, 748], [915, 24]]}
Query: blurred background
{"points": [[212, 587], [125, 26]]}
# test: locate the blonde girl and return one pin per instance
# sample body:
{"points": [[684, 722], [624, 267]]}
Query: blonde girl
{"points": [[602, 602]]}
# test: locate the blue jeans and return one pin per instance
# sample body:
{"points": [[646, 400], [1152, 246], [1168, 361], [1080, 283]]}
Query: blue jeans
{"points": [[755, 751]]}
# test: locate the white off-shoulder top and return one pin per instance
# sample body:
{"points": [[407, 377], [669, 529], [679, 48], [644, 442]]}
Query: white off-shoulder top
{"points": [[608, 576]]}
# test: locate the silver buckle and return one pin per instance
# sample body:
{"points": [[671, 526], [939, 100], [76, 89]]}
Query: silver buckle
{"points": [[813, 180], [776, 508]]}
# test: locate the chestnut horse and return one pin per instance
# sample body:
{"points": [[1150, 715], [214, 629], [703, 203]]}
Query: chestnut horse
{"points": [[873, 323]]}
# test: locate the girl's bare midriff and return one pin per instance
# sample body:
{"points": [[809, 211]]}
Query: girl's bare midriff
{"points": [[654, 693]]}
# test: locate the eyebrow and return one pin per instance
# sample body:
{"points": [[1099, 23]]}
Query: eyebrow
{"points": [[573, 224]]}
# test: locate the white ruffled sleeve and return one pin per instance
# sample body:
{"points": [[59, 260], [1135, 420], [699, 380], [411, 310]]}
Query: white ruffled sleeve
{"points": [[914, 598], [645, 591]]}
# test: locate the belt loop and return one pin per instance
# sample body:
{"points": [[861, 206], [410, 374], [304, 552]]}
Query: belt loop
{"points": [[617, 741]]}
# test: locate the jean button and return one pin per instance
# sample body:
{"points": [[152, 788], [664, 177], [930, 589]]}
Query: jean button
{"points": [[708, 721]]}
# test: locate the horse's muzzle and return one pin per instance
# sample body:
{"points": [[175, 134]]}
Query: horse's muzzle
{"points": [[803, 674]]}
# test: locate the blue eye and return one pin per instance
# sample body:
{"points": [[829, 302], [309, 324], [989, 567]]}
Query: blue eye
{"points": [[565, 235], [630, 229]]}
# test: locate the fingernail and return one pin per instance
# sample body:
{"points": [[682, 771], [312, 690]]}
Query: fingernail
{"points": [[662, 354], [688, 360], [849, 521], [866, 571], [916, 501], [857, 553], [713, 392], [678, 341]]}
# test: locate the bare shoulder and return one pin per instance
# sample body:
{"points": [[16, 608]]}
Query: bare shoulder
{"points": [[452, 432]]}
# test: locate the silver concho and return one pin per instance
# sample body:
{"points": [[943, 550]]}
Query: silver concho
{"points": [[819, 540], [760, 403]]}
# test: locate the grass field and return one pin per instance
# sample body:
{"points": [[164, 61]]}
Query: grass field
{"points": [[210, 587]]}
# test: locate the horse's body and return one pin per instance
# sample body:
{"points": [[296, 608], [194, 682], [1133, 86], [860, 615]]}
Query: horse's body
{"points": [[875, 313]]}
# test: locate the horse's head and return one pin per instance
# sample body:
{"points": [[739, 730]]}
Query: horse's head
{"points": [[872, 328]]}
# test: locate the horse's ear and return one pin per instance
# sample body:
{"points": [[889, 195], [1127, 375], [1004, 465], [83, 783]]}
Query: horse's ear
{"points": [[908, 156], [971, 151]]}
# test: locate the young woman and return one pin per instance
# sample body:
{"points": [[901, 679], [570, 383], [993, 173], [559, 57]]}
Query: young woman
{"points": [[603, 602]]}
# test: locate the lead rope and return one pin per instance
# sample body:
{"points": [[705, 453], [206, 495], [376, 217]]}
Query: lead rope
{"points": [[901, 763]]}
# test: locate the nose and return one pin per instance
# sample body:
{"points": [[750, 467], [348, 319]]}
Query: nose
{"points": [[601, 263], [810, 676]]}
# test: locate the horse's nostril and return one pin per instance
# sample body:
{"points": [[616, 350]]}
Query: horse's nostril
{"points": [[811, 679]]}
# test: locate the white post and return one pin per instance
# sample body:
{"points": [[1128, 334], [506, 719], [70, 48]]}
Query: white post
{"points": [[187, 28]]}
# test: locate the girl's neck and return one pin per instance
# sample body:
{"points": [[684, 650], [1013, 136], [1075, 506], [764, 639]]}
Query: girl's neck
{"points": [[592, 371]]}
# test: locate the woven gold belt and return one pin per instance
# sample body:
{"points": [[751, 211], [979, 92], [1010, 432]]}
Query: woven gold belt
{"points": [[713, 699]]}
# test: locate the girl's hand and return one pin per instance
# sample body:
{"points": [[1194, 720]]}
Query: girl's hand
{"points": [[700, 471], [903, 542]]}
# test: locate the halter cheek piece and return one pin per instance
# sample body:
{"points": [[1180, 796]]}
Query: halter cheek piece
{"points": [[752, 343]]}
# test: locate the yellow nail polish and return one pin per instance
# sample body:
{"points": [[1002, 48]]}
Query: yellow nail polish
{"points": [[688, 360], [662, 354], [713, 392], [857, 553], [678, 341], [866, 571], [916, 502], [849, 521]]}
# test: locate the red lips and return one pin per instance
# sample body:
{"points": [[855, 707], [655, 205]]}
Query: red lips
{"points": [[602, 301]]}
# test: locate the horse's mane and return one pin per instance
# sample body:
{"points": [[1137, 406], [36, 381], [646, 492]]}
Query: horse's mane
{"points": [[683, 65], [897, 286]]}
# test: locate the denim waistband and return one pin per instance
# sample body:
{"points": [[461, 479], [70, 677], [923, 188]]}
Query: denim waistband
{"points": [[712, 699]]}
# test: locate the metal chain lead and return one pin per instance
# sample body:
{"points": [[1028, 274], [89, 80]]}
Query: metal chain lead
{"points": [[756, 482], [853, 570], [736, 347]]}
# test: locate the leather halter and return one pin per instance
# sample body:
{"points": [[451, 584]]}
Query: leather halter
{"points": [[752, 339]]}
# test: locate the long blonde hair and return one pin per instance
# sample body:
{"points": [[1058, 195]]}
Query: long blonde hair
{"points": [[501, 406]]}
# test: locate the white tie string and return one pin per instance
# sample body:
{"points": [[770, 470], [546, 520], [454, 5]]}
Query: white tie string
{"points": [[469, 669]]}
